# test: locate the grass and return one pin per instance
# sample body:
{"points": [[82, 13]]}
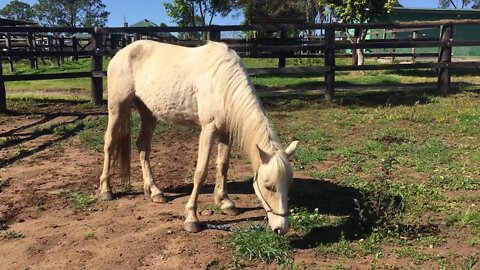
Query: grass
{"points": [[470, 219], [89, 235], [303, 221], [260, 244], [12, 235], [80, 200], [310, 81]]}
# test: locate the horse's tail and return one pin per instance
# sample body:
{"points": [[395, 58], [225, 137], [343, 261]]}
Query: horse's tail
{"points": [[121, 145], [124, 149]]}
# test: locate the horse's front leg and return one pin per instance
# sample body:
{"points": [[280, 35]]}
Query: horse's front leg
{"points": [[221, 193], [207, 135]]}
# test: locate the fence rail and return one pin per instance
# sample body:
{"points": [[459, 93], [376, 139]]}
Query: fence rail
{"points": [[261, 41]]}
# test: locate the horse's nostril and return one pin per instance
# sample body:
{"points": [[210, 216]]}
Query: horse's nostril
{"points": [[277, 231]]}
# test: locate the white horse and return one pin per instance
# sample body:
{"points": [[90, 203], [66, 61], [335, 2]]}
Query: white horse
{"points": [[206, 86]]}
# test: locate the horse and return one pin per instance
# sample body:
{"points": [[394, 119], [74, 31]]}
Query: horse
{"points": [[207, 86]]}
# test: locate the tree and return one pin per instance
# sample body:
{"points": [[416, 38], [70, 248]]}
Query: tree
{"points": [[71, 13], [474, 4], [358, 11], [285, 9], [17, 10], [197, 12]]}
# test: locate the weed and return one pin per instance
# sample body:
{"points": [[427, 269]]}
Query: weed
{"points": [[127, 188], [470, 262], [213, 207], [68, 129], [371, 245], [12, 234], [474, 242], [260, 244], [411, 252], [470, 219], [3, 184], [4, 142], [80, 200], [90, 235], [342, 248], [303, 221], [3, 226], [307, 155], [379, 209]]}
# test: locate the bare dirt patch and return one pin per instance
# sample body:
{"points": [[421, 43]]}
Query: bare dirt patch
{"points": [[130, 232]]}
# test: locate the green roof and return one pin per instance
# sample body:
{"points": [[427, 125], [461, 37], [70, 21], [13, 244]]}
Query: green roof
{"points": [[144, 23]]}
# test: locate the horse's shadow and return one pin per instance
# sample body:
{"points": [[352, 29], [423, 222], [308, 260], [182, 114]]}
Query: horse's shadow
{"points": [[323, 196], [326, 198]]}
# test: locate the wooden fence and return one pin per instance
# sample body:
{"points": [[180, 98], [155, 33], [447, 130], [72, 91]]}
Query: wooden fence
{"points": [[273, 41]]}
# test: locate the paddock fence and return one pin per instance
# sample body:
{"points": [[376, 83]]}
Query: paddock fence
{"points": [[392, 40]]}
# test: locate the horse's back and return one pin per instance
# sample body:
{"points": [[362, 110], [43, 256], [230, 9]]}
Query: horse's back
{"points": [[168, 79]]}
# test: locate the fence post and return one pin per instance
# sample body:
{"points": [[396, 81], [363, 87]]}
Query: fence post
{"points": [[283, 38], [414, 50], [61, 43], [136, 36], [31, 49], [213, 34], [3, 95], [8, 44], [75, 48], [96, 67], [445, 56], [330, 62]]}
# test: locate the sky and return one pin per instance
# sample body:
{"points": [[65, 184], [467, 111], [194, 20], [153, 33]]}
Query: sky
{"points": [[136, 10]]}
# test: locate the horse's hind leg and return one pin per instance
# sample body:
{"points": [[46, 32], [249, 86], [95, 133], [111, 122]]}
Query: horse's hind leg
{"points": [[220, 193], [118, 116], [204, 145], [144, 145]]}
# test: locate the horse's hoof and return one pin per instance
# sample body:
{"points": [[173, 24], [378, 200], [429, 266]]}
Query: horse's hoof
{"points": [[192, 227], [106, 196], [231, 210], [159, 198]]}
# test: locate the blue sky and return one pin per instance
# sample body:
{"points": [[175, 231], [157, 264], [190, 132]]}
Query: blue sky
{"points": [[136, 10]]}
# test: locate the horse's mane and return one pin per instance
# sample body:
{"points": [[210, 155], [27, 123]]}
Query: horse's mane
{"points": [[246, 120]]}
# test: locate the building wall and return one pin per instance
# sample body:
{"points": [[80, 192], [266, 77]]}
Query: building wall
{"points": [[460, 32]]}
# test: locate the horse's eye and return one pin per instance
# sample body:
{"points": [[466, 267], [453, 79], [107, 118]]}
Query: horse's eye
{"points": [[270, 186]]}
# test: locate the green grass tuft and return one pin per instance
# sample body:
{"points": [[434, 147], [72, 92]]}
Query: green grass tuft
{"points": [[80, 200], [11, 235], [260, 244]]}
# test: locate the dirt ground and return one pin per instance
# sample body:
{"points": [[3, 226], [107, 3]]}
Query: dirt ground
{"points": [[129, 232]]}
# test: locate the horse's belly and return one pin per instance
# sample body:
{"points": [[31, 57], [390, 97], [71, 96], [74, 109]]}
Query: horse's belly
{"points": [[172, 103], [178, 117]]}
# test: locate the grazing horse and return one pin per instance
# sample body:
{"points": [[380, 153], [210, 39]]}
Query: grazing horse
{"points": [[206, 86]]}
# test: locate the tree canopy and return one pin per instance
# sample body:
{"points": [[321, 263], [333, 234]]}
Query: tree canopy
{"points": [[460, 4], [18, 10], [197, 12], [359, 11], [75, 13]]}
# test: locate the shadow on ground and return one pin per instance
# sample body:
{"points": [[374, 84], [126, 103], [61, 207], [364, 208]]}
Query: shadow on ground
{"points": [[360, 96]]}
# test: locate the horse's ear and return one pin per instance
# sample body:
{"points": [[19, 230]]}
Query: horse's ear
{"points": [[291, 149], [264, 156]]}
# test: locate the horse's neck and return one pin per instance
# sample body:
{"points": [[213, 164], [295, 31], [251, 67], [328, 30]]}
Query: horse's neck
{"points": [[266, 140]]}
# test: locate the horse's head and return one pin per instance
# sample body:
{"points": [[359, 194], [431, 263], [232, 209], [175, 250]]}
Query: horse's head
{"points": [[272, 183]]}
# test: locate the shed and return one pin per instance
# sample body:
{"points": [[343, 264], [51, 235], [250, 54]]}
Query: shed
{"points": [[460, 32]]}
